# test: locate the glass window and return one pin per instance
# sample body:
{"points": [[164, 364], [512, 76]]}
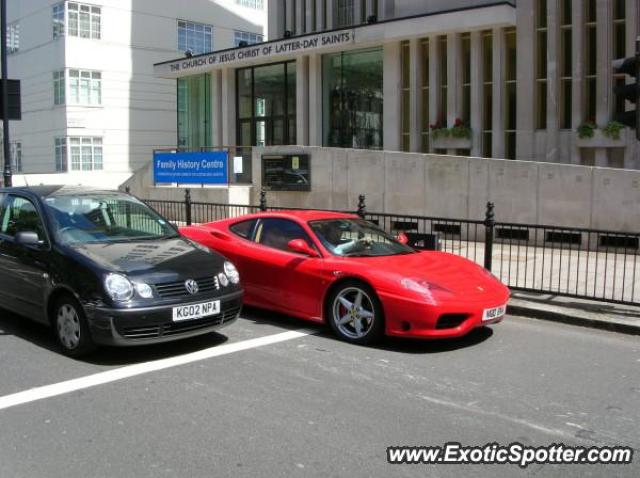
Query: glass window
{"points": [[343, 13], [243, 229], [85, 87], [487, 87], [256, 4], [352, 99], [13, 37], [248, 37], [511, 95], [194, 112], [194, 37], [266, 99], [619, 48], [58, 88], [540, 98], [61, 154], [590, 60], [21, 215], [466, 78], [58, 20], [85, 153], [405, 61], [565, 64], [442, 56], [424, 114], [84, 21], [277, 233]]}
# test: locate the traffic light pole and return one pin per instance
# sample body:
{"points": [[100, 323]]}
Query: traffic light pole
{"points": [[5, 95]]}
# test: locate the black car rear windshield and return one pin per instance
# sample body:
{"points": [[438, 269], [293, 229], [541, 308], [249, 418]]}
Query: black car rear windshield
{"points": [[104, 218]]}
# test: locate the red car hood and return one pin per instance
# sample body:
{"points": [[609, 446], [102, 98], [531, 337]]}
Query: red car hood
{"points": [[448, 271]]}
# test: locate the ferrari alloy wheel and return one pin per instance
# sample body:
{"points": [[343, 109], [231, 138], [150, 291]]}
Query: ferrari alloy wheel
{"points": [[355, 313], [71, 327]]}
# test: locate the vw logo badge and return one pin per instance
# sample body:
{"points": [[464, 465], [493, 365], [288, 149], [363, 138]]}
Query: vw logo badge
{"points": [[191, 286]]}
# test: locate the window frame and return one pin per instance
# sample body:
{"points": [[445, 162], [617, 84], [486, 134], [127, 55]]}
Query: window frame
{"points": [[72, 147], [13, 37], [92, 77]]}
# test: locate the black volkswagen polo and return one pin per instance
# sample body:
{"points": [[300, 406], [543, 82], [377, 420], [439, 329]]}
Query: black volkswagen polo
{"points": [[101, 267]]}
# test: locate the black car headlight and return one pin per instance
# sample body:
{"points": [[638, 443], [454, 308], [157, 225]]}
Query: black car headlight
{"points": [[118, 287], [231, 272]]}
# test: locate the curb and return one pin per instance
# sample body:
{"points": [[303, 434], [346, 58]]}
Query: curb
{"points": [[572, 319]]}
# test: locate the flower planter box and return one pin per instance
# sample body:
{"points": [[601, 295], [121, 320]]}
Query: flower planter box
{"points": [[449, 142], [599, 140]]}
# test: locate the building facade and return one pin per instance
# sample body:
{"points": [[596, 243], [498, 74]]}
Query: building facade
{"points": [[92, 109], [525, 79]]}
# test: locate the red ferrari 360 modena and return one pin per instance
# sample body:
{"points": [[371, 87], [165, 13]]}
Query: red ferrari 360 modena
{"points": [[338, 268]]}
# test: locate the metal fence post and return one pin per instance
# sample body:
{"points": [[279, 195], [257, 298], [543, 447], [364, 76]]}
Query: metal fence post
{"points": [[362, 207], [489, 224], [263, 200], [187, 206]]}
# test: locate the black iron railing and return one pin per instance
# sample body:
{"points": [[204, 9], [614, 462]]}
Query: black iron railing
{"points": [[583, 263]]}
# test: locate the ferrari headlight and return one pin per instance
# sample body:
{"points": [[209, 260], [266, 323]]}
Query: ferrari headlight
{"points": [[118, 287], [144, 290], [231, 272], [419, 286]]}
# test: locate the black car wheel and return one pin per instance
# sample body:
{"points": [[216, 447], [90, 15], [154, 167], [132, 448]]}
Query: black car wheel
{"points": [[355, 313], [71, 329]]}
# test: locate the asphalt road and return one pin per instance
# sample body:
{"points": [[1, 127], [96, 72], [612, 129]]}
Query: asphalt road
{"points": [[314, 406]]}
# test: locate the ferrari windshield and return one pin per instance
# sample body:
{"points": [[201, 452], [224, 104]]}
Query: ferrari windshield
{"points": [[104, 218], [356, 237]]}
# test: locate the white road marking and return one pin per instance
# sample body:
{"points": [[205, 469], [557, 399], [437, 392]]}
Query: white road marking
{"points": [[68, 386]]}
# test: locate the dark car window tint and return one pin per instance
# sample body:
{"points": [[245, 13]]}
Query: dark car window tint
{"points": [[277, 233], [20, 215], [243, 229]]}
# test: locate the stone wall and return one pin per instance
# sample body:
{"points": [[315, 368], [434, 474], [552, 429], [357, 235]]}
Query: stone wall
{"points": [[441, 186]]}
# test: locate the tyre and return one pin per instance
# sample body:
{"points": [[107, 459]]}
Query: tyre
{"points": [[355, 313], [70, 327]]}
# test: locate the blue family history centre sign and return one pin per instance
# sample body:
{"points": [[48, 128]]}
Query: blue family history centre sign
{"points": [[209, 167]]}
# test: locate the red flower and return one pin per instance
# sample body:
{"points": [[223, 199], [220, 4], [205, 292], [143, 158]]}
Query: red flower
{"points": [[458, 122]]}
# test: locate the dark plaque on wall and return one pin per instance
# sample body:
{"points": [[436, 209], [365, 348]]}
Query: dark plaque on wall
{"points": [[286, 172]]}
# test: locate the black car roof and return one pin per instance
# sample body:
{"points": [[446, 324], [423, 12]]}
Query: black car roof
{"points": [[59, 190]]}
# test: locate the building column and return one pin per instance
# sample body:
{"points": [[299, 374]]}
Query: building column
{"points": [[288, 15], [302, 100], [320, 15], [370, 10], [553, 80], [525, 144], [357, 12], [299, 17], [309, 17], [216, 109], [228, 107], [435, 77], [454, 80], [417, 117], [330, 24], [315, 100], [632, 153], [477, 103], [498, 91], [275, 21], [578, 67], [604, 71], [386, 9], [391, 86]]}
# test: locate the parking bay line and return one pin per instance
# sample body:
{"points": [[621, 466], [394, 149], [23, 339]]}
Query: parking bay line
{"points": [[114, 375]]}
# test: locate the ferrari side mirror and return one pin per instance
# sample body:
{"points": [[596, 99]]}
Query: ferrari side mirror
{"points": [[300, 246]]}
